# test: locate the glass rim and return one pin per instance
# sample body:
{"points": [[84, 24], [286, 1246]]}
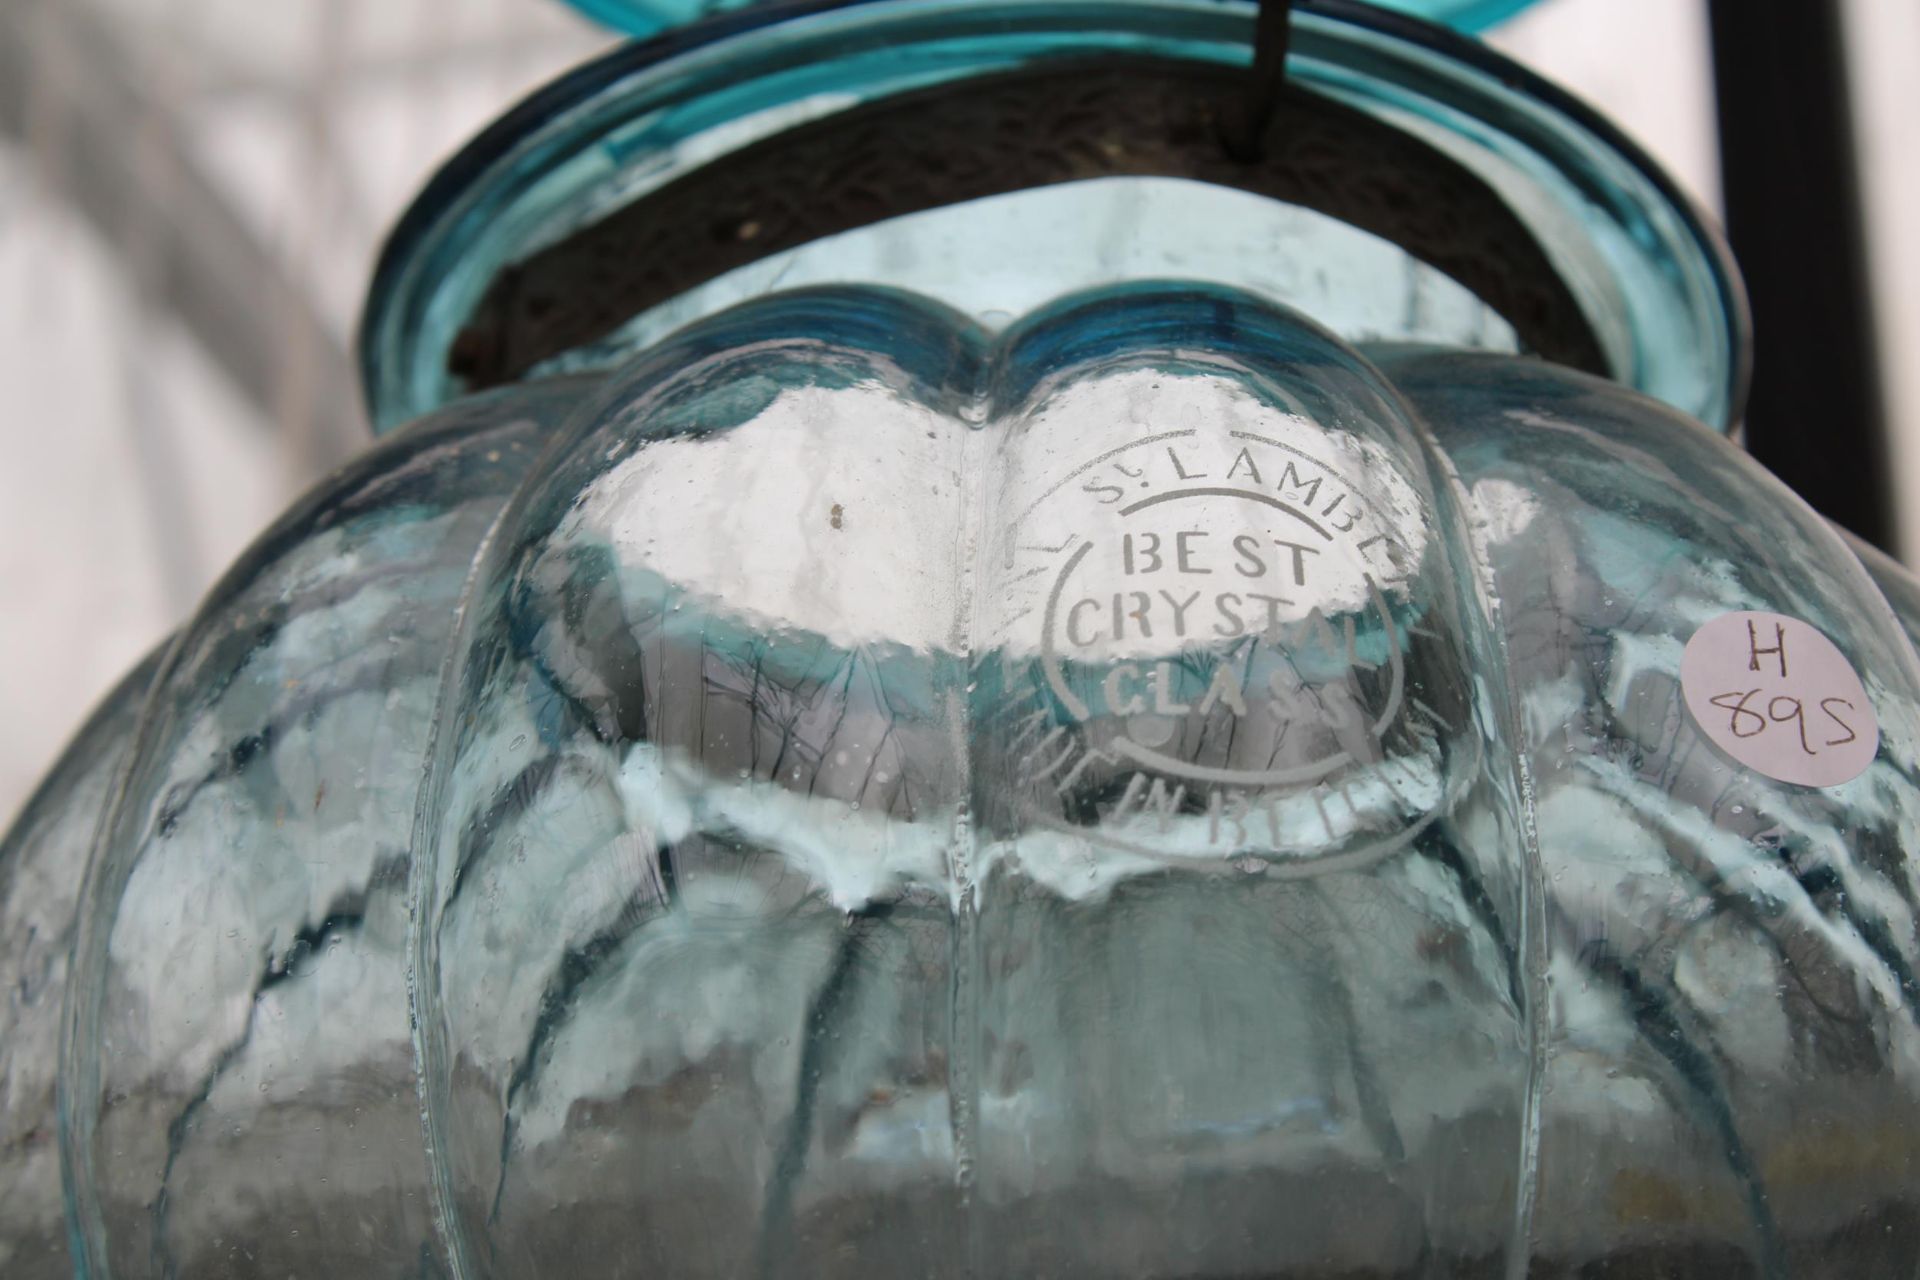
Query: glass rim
{"points": [[403, 373], [643, 18]]}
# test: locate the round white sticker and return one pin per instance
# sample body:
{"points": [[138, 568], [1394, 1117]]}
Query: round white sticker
{"points": [[1775, 694]]}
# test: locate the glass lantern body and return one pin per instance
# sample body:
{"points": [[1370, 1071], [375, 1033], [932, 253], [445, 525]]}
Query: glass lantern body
{"points": [[1119, 728]]}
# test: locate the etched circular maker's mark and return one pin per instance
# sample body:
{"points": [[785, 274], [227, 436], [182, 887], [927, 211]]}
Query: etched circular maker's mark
{"points": [[1145, 732], [1224, 584]]}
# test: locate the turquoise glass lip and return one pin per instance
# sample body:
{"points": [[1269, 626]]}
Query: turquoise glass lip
{"points": [[643, 18], [1655, 280], [1462, 15]]}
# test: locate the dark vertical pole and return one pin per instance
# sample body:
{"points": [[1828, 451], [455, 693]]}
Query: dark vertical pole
{"points": [[1787, 167]]}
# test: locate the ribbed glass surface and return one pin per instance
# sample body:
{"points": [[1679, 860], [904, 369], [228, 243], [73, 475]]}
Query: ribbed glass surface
{"points": [[1148, 740], [1153, 790]]}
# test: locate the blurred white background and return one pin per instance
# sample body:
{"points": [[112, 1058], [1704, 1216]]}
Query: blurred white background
{"points": [[192, 194]]}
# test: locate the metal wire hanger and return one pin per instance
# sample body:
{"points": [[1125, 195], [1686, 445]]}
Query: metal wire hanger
{"points": [[1244, 132]]}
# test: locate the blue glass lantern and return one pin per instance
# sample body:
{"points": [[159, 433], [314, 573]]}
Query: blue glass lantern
{"points": [[979, 645]]}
